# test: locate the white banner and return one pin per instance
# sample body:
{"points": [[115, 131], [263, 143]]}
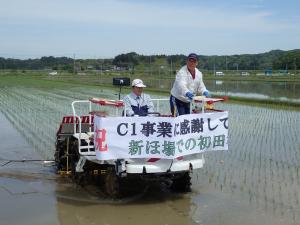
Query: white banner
{"points": [[160, 137]]}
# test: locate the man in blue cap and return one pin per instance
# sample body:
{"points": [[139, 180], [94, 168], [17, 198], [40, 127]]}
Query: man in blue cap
{"points": [[188, 83]]}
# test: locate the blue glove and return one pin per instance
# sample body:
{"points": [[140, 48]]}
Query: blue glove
{"points": [[190, 95], [206, 94]]}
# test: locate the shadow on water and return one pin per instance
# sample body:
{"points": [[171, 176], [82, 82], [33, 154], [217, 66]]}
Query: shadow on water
{"points": [[154, 206], [58, 197], [67, 191]]}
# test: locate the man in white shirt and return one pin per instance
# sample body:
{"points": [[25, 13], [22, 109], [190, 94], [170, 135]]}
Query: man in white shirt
{"points": [[137, 102], [188, 83]]}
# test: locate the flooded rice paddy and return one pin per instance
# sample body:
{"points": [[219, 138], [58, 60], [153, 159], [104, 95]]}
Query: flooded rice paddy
{"points": [[256, 182], [264, 90]]}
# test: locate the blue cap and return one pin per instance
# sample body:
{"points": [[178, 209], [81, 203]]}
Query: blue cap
{"points": [[193, 56]]}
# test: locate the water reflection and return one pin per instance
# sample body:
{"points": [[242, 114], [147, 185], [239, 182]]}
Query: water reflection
{"points": [[78, 206], [219, 82], [278, 90]]}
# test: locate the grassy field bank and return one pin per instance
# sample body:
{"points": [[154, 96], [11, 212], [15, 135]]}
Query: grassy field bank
{"points": [[156, 85]]}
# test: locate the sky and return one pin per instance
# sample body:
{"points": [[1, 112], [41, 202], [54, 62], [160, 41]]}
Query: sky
{"points": [[106, 28]]}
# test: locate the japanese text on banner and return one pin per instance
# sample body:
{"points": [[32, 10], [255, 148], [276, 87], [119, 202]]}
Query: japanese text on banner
{"points": [[160, 137]]}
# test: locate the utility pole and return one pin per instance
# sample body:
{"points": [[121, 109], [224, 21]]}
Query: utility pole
{"points": [[101, 70], [150, 66], [295, 66], [214, 66], [171, 67], [159, 78], [74, 64]]}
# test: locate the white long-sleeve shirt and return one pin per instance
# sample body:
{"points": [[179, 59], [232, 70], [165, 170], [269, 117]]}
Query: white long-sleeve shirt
{"points": [[138, 105], [184, 82]]}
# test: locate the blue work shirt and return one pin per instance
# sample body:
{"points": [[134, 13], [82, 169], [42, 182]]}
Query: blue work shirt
{"points": [[138, 105]]}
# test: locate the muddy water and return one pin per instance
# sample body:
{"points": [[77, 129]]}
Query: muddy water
{"points": [[153, 207], [26, 189], [32, 194], [256, 182]]}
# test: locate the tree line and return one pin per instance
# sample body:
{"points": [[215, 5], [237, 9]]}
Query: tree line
{"points": [[275, 59]]}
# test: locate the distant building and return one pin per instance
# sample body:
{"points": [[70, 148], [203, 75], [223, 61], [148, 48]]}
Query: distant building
{"points": [[53, 73], [283, 72], [268, 72], [90, 67], [245, 73], [219, 73]]}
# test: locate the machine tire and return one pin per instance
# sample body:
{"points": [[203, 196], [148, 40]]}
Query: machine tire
{"points": [[78, 178], [112, 183], [182, 183], [60, 155]]}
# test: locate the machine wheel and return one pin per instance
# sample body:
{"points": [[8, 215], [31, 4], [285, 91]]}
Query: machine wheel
{"points": [[66, 154], [112, 183], [78, 178], [182, 183], [60, 155]]}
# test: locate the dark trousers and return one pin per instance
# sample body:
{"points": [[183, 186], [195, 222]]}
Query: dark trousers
{"points": [[179, 107]]}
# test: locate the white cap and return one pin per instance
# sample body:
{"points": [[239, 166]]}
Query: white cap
{"points": [[138, 83]]}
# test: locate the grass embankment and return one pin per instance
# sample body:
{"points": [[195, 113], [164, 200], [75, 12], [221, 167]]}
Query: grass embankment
{"points": [[244, 101], [40, 80], [265, 103], [275, 78], [104, 80]]}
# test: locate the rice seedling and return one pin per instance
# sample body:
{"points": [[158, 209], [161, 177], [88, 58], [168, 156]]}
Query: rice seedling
{"points": [[262, 162]]}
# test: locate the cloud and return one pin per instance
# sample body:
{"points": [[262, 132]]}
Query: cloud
{"points": [[110, 27], [131, 14]]}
